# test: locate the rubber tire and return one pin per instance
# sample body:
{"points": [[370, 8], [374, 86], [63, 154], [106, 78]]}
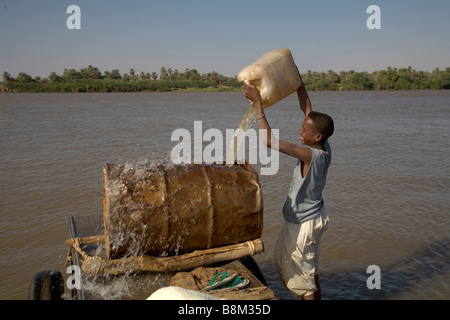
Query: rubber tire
{"points": [[47, 285]]}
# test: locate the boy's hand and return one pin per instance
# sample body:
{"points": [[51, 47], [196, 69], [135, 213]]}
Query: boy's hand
{"points": [[251, 92]]}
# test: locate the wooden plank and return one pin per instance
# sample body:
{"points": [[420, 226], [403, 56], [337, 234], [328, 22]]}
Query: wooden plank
{"points": [[258, 293]]}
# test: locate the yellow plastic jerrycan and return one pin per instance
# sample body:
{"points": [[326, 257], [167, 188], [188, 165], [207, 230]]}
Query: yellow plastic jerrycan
{"points": [[274, 74]]}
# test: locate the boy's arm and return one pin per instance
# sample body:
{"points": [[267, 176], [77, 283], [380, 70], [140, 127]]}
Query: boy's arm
{"points": [[303, 98], [302, 153]]}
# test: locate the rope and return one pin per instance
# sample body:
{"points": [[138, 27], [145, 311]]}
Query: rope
{"points": [[96, 262], [252, 247]]}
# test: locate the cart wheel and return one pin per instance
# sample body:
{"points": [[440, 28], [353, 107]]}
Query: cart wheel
{"points": [[47, 285]]}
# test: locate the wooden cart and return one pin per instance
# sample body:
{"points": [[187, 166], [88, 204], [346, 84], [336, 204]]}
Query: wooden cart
{"points": [[139, 283]]}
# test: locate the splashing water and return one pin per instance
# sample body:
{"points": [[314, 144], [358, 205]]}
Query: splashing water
{"points": [[239, 133], [136, 238]]}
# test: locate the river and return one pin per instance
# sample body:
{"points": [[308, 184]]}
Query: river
{"points": [[386, 194]]}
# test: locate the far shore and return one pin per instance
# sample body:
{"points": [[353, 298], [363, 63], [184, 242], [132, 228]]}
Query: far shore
{"points": [[4, 89], [92, 80]]}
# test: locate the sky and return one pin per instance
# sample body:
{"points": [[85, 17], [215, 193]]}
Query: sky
{"points": [[223, 36]]}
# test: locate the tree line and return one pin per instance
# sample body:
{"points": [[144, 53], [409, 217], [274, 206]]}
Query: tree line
{"points": [[389, 79], [91, 79]]}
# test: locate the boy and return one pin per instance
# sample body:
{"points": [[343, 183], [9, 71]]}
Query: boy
{"points": [[306, 219]]}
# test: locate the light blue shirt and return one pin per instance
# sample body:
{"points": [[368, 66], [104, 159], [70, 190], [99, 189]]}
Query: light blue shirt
{"points": [[304, 200]]}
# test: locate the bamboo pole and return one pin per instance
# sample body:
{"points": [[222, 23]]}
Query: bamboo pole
{"points": [[163, 264]]}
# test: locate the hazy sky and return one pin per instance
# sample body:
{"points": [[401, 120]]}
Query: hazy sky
{"points": [[222, 36]]}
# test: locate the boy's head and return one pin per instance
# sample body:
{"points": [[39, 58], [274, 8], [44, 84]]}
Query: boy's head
{"points": [[317, 128]]}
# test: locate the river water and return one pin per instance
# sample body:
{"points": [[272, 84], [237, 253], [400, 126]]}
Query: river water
{"points": [[387, 188]]}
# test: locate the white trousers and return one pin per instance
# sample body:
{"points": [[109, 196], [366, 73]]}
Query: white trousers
{"points": [[297, 254]]}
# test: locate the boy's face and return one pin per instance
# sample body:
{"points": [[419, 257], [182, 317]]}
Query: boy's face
{"points": [[308, 134]]}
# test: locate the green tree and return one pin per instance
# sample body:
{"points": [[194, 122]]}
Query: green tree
{"points": [[133, 75], [216, 78], [53, 77], [192, 75], [7, 77], [90, 73], [333, 77], [175, 75], [361, 80], [445, 80], [24, 78], [115, 74], [163, 74], [346, 75], [71, 75], [378, 75]]}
